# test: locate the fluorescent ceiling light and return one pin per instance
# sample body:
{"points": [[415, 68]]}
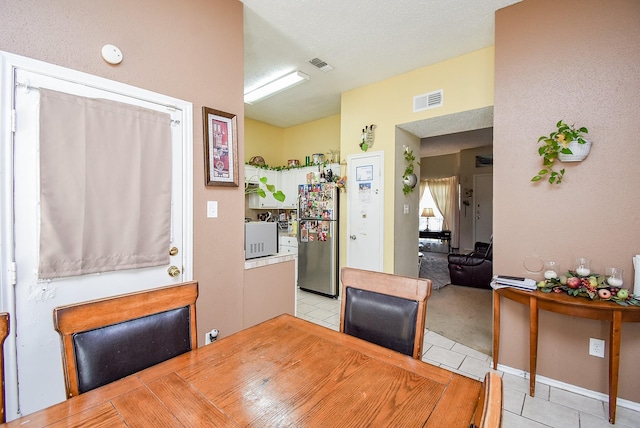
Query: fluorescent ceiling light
{"points": [[274, 87]]}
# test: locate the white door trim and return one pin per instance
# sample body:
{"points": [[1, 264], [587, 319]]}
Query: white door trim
{"points": [[475, 208], [352, 198], [9, 63]]}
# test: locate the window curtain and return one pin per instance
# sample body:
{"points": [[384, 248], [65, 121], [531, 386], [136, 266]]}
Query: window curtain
{"points": [[445, 194], [105, 186], [423, 187]]}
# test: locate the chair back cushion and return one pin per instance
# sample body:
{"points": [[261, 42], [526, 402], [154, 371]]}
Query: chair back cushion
{"points": [[109, 353], [382, 319]]}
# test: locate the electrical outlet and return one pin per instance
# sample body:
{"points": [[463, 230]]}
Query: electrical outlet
{"points": [[210, 336], [596, 347]]}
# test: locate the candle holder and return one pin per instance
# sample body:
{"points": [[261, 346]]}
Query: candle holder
{"points": [[550, 269], [614, 277], [582, 266]]}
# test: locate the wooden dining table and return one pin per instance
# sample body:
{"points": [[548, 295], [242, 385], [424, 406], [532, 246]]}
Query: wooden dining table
{"points": [[282, 372]]}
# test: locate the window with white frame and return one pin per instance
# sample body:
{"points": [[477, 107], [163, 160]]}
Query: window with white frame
{"points": [[433, 223]]}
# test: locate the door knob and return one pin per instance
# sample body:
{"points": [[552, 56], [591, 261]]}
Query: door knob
{"points": [[353, 237], [173, 251], [173, 271]]}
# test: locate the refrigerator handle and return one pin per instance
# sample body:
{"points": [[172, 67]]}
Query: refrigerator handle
{"points": [[298, 217]]}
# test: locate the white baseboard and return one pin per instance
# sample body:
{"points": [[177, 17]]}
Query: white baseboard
{"points": [[627, 404]]}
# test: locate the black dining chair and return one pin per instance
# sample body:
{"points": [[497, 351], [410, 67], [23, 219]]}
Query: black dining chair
{"points": [[385, 309], [107, 339]]}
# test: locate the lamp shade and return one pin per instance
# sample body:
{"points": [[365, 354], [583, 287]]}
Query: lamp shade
{"points": [[427, 212]]}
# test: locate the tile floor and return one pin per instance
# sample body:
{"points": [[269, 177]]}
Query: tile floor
{"points": [[552, 407]]}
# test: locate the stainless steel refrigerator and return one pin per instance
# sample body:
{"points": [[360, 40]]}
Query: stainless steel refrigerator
{"points": [[318, 238]]}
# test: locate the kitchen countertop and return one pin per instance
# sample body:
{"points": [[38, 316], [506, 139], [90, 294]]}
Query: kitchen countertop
{"points": [[269, 260]]}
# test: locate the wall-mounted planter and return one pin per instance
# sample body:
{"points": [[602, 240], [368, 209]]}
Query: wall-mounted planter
{"points": [[579, 152], [567, 138], [410, 180]]}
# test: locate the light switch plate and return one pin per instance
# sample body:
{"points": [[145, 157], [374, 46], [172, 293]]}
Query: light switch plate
{"points": [[212, 209], [406, 208]]}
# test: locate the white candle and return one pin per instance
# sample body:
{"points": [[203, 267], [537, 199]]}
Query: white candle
{"points": [[550, 274], [583, 271], [614, 282]]}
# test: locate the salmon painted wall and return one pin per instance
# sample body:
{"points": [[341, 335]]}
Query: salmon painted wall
{"points": [[192, 50], [575, 60]]}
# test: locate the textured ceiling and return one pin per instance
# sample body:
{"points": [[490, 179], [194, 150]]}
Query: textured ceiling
{"points": [[365, 42], [448, 134]]}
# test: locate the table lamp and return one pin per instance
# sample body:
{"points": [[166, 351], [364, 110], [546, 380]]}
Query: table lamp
{"points": [[427, 212]]}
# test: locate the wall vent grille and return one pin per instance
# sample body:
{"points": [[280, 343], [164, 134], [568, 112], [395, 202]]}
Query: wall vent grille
{"points": [[430, 100], [321, 64]]}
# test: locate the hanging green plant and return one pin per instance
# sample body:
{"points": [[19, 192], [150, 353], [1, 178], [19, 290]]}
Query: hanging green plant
{"points": [[555, 146], [409, 179], [277, 194]]}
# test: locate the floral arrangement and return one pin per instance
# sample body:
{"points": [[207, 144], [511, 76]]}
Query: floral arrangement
{"points": [[593, 286]]}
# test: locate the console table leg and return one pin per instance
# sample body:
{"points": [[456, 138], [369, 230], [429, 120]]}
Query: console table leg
{"points": [[614, 363], [533, 344], [496, 329]]}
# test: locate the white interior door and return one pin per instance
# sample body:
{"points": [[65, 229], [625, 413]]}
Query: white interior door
{"points": [[365, 211], [34, 365], [483, 207]]}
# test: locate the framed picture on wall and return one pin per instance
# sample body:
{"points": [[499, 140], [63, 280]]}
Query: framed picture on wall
{"points": [[220, 147]]}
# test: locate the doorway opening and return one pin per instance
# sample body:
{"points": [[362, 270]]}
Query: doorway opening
{"points": [[449, 145]]}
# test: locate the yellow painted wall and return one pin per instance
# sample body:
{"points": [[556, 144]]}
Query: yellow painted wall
{"points": [[318, 136], [467, 82], [262, 139], [278, 145]]}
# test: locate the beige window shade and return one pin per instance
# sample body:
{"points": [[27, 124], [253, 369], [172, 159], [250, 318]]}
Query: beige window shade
{"points": [[105, 186]]}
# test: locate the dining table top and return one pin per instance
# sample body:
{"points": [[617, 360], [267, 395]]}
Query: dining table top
{"points": [[283, 372]]}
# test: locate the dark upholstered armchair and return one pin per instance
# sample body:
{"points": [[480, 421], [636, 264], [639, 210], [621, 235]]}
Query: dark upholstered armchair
{"points": [[474, 269]]}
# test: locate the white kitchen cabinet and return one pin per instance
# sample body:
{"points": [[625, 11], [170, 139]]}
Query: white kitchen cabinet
{"points": [[289, 245], [289, 182], [268, 202], [251, 174]]}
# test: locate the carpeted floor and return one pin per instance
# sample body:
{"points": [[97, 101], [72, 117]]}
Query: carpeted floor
{"points": [[462, 314], [434, 266]]}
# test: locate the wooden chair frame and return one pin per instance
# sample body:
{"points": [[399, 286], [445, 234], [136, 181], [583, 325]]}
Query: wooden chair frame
{"points": [[417, 289], [94, 314], [4, 332], [488, 412]]}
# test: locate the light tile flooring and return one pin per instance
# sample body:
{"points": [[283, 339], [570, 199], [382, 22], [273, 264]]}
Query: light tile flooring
{"points": [[551, 407]]}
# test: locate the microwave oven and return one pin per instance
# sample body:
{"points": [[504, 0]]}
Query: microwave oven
{"points": [[260, 239]]}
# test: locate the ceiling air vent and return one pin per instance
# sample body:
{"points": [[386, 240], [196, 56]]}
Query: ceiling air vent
{"points": [[321, 64], [426, 101]]}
